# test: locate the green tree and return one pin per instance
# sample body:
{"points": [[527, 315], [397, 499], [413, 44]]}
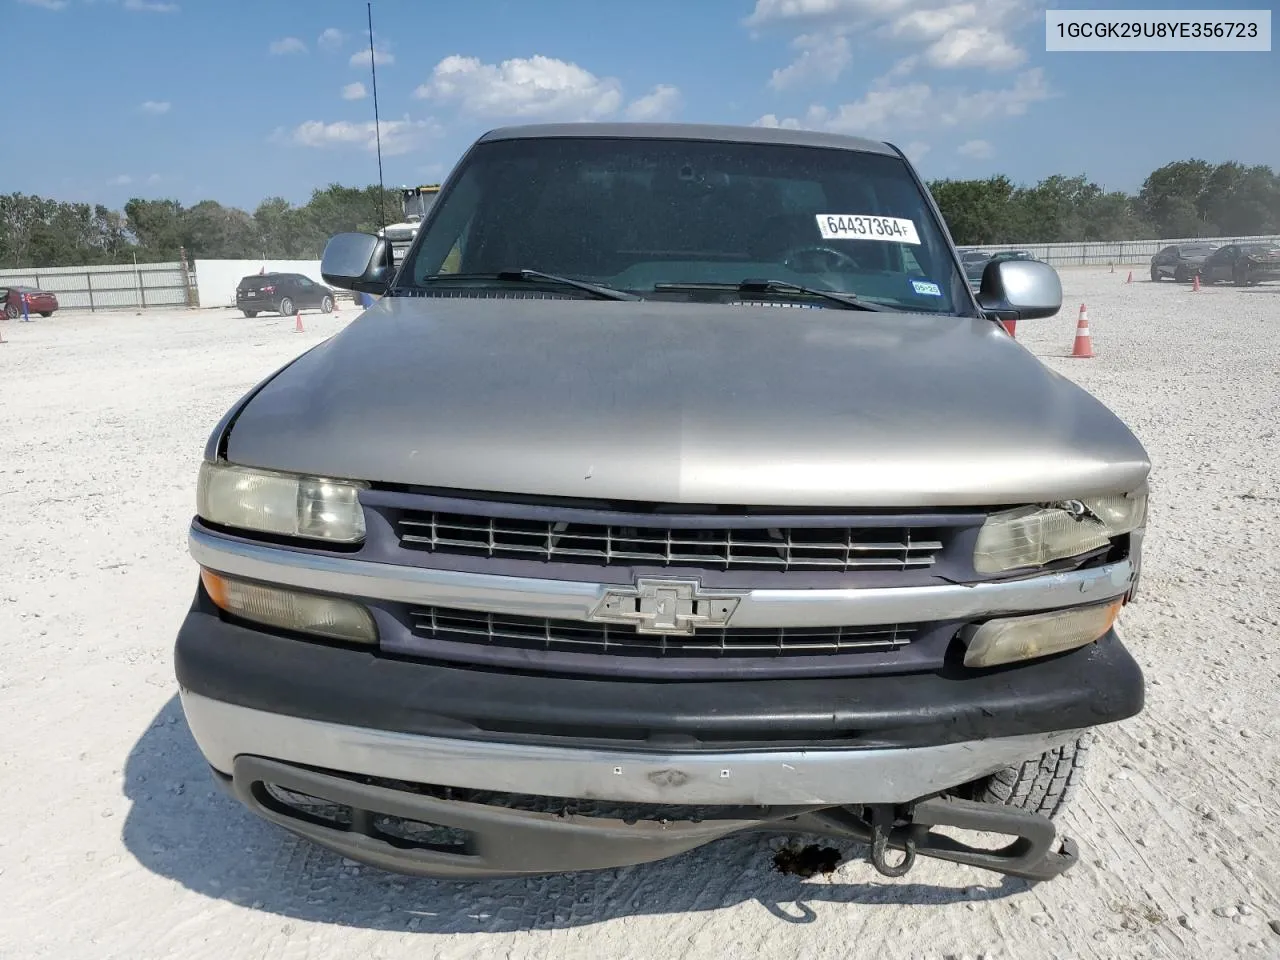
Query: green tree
{"points": [[214, 232], [157, 227], [1172, 198], [336, 209], [976, 211]]}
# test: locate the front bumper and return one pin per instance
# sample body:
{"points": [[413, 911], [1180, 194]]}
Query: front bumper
{"points": [[384, 738]]}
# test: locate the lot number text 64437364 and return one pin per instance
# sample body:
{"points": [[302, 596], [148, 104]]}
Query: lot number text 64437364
{"points": [[862, 226]]}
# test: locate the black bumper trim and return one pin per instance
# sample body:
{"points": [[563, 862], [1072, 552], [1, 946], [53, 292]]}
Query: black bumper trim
{"points": [[500, 842], [1094, 685]]}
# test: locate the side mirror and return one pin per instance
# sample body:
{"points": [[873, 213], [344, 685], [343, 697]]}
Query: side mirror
{"points": [[357, 261], [1020, 290]]}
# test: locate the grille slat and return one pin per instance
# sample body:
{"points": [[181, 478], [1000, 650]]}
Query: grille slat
{"points": [[779, 549], [575, 636]]}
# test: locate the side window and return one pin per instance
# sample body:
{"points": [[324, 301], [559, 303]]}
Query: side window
{"points": [[445, 243]]}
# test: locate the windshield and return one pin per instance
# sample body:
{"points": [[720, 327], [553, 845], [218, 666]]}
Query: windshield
{"points": [[633, 213]]}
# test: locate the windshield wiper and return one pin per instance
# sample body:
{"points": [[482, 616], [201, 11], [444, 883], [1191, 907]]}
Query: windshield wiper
{"points": [[846, 300], [537, 276]]}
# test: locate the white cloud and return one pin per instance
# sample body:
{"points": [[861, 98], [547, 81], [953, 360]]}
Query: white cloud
{"points": [[154, 178], [977, 149], [915, 150], [940, 33], [887, 109], [772, 120], [156, 106], [930, 24], [974, 47], [661, 103], [354, 91], [398, 136], [287, 45], [774, 11], [331, 39], [902, 68], [537, 87], [121, 181], [381, 58], [46, 4], [822, 57], [150, 6]]}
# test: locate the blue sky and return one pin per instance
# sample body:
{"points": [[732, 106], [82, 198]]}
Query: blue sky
{"points": [[237, 100]]}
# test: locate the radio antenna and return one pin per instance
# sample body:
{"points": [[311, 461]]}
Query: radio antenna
{"points": [[377, 123]]}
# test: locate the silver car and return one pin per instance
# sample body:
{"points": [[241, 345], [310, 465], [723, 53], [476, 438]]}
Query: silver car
{"points": [[677, 485]]}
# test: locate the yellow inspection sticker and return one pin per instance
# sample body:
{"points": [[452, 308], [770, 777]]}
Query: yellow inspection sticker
{"points": [[866, 226]]}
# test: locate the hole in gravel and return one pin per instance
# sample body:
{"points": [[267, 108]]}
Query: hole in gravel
{"points": [[806, 861]]}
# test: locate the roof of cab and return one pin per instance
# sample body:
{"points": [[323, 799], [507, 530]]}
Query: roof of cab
{"points": [[692, 131]]}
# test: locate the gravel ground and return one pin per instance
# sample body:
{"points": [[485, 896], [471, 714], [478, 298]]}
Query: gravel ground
{"points": [[118, 845]]}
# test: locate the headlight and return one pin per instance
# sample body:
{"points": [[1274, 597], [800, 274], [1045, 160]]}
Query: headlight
{"points": [[1034, 536], [1011, 639], [330, 617], [280, 503]]}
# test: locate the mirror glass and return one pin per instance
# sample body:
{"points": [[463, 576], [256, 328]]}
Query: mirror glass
{"points": [[348, 256], [1027, 287]]}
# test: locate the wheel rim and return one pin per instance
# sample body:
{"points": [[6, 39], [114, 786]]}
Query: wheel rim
{"points": [[326, 305], [286, 306], [11, 312]]}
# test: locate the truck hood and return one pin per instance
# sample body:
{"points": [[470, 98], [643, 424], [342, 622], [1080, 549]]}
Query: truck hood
{"points": [[686, 403]]}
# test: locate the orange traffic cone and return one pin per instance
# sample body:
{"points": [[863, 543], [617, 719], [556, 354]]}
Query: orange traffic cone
{"points": [[1011, 327], [1083, 346], [1130, 280], [1195, 285], [298, 323]]}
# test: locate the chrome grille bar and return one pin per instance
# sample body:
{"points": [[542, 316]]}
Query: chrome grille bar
{"points": [[538, 633], [773, 548]]}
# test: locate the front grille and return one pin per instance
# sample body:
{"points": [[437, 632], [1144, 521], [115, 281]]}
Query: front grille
{"points": [[765, 548], [579, 636]]}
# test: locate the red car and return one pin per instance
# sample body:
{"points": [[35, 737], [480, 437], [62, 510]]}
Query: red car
{"points": [[38, 301]]}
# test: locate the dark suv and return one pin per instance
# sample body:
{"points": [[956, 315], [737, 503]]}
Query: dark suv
{"points": [[283, 293], [1181, 261]]}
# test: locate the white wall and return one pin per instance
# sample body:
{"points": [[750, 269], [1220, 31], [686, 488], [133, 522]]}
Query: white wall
{"points": [[216, 280]]}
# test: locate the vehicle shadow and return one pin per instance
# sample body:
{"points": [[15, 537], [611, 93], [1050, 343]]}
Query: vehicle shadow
{"points": [[182, 827]]}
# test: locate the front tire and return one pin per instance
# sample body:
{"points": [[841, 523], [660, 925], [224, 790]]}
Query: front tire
{"points": [[1155, 275], [12, 312], [1043, 785], [250, 313], [286, 307], [326, 305], [1179, 275], [46, 313]]}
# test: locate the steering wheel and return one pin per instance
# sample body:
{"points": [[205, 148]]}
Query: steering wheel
{"points": [[839, 257]]}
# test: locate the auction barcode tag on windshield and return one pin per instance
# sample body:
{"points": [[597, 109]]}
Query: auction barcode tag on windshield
{"points": [[865, 226]]}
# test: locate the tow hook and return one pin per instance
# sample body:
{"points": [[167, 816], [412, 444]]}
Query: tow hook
{"points": [[883, 823], [1035, 853]]}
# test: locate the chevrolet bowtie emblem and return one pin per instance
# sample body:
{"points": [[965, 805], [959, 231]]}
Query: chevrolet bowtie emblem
{"points": [[666, 606]]}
